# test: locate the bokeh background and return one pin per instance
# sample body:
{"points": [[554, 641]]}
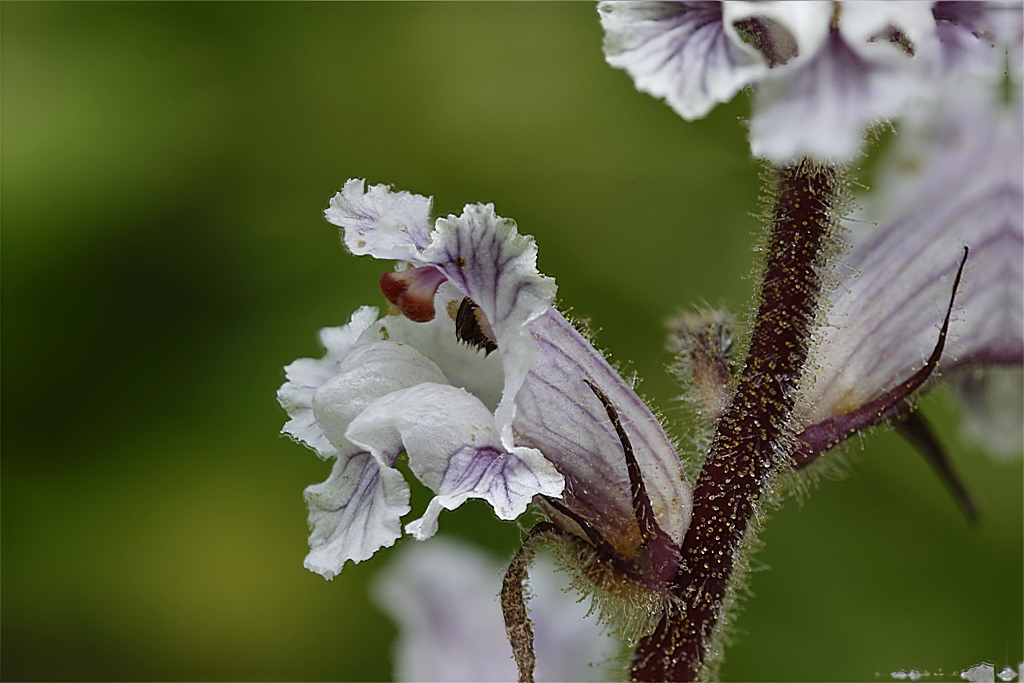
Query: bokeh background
{"points": [[164, 170]]}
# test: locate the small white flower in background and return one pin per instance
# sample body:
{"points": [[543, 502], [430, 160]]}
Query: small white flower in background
{"points": [[443, 596], [484, 386], [822, 72]]}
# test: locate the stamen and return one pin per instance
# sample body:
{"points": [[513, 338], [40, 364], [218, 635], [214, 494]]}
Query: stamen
{"points": [[768, 37]]}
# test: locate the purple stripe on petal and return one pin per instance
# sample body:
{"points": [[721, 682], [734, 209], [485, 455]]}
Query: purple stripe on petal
{"points": [[822, 109], [560, 416], [678, 51], [956, 179], [502, 479], [354, 513]]}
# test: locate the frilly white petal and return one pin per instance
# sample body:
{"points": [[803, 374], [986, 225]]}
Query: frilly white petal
{"points": [[306, 375], [379, 222], [454, 449], [678, 51], [368, 372], [508, 481], [486, 258], [354, 513], [443, 596]]}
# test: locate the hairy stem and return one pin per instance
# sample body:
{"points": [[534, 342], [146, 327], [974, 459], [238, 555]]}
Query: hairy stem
{"points": [[752, 437]]}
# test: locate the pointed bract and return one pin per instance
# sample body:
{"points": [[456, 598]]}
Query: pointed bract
{"points": [[955, 180]]}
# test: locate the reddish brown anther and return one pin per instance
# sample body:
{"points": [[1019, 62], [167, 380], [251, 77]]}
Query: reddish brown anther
{"points": [[412, 291]]}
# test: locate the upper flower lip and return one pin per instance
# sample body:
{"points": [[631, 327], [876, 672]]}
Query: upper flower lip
{"points": [[504, 426]]}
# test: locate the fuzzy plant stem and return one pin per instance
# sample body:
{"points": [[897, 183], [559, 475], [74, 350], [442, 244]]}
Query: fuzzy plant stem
{"points": [[752, 438]]}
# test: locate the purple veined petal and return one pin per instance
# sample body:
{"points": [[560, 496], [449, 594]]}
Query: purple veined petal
{"points": [[354, 513], [678, 51], [359, 508], [486, 258], [454, 449], [443, 596], [956, 178], [306, 375], [379, 222], [508, 481], [560, 415], [822, 109]]}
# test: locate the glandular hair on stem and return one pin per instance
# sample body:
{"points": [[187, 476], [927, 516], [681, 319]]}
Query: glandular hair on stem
{"points": [[627, 607]]}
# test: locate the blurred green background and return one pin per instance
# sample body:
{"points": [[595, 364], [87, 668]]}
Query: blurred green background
{"points": [[164, 170]]}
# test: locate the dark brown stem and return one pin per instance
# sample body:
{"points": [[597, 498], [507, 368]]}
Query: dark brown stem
{"points": [[752, 438]]}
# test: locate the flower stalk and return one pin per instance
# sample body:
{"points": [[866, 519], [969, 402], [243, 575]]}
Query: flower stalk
{"points": [[753, 437]]}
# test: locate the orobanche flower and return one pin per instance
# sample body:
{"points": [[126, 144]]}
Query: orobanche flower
{"points": [[954, 180], [822, 72], [485, 387]]}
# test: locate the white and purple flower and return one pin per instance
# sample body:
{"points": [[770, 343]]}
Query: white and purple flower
{"points": [[954, 180], [484, 386], [822, 72]]}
